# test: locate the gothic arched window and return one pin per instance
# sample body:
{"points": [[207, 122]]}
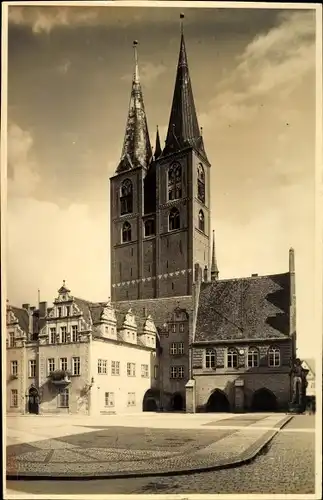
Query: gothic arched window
{"points": [[126, 232], [126, 197], [174, 219], [232, 358], [273, 356], [175, 182], [201, 183], [201, 221], [149, 227], [210, 358], [253, 358]]}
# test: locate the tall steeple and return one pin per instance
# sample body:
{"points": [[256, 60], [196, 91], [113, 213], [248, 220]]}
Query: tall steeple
{"points": [[158, 150], [136, 151], [214, 266], [183, 129]]}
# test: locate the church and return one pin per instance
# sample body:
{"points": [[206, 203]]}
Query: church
{"points": [[175, 336], [225, 345]]}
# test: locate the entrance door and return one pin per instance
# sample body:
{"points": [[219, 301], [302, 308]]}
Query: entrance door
{"points": [[33, 401], [218, 402], [264, 401], [177, 402]]}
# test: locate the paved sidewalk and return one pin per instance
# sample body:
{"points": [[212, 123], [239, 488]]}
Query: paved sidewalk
{"points": [[125, 447]]}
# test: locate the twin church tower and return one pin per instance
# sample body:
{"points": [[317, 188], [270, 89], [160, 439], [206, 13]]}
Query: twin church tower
{"points": [[160, 200]]}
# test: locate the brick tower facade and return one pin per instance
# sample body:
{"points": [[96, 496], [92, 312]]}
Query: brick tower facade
{"points": [[160, 204], [160, 229]]}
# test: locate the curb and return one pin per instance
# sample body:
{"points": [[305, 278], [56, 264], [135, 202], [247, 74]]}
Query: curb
{"points": [[245, 458]]}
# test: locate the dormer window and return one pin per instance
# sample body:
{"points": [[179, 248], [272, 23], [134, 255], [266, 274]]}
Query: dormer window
{"points": [[201, 183], [59, 309], [150, 227], [126, 197], [175, 182]]}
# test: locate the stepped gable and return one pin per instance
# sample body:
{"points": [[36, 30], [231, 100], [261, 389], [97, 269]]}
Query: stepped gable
{"points": [[244, 308]]}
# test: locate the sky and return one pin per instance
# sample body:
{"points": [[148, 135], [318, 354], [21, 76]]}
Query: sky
{"points": [[69, 79]]}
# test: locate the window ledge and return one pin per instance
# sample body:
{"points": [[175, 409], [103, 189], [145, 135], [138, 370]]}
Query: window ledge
{"points": [[201, 232]]}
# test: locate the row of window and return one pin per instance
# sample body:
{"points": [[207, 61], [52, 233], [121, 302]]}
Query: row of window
{"points": [[177, 372], [63, 335], [176, 348], [76, 367], [63, 400], [174, 187], [115, 368], [252, 359], [174, 222]]}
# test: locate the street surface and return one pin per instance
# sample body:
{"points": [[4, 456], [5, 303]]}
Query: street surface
{"points": [[286, 467]]}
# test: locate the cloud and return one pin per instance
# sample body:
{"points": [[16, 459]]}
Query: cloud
{"points": [[64, 67], [60, 237], [44, 20], [23, 177], [149, 73], [275, 61]]}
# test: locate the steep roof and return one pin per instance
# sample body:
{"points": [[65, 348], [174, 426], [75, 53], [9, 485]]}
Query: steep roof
{"points": [[84, 306], [22, 317], [136, 150], [253, 307], [183, 129], [160, 309], [310, 363]]}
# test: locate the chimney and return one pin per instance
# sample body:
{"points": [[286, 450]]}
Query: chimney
{"points": [[254, 275], [42, 309], [205, 274], [292, 299], [291, 260]]}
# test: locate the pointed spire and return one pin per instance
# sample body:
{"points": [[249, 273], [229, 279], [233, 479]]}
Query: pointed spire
{"points": [[214, 266], [136, 151], [158, 150], [183, 128]]}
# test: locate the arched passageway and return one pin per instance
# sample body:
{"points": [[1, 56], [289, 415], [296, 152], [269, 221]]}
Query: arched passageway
{"points": [[177, 402], [33, 401], [264, 400], [150, 401], [218, 402]]}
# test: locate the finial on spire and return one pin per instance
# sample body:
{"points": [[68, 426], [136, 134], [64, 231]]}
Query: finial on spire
{"points": [[136, 72], [181, 16], [214, 267]]}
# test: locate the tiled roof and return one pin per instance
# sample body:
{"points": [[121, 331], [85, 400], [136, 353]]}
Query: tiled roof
{"points": [[22, 317], [159, 309], [84, 306], [96, 310], [254, 307]]}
